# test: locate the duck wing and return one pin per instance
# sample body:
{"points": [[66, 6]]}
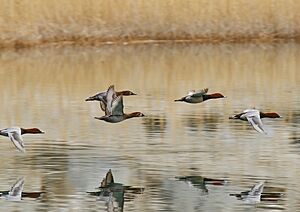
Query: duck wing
{"points": [[110, 96], [97, 97], [103, 107], [253, 118], [117, 106], [16, 189], [16, 137], [199, 93]]}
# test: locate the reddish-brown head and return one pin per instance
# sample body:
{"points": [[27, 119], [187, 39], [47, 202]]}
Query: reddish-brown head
{"points": [[216, 95], [31, 131], [125, 93], [269, 115], [135, 114], [212, 96]]}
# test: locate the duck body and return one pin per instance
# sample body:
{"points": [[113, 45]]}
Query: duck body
{"points": [[199, 96], [15, 135], [254, 117], [119, 118]]}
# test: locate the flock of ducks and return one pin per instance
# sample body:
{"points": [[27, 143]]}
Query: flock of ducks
{"points": [[111, 103]]}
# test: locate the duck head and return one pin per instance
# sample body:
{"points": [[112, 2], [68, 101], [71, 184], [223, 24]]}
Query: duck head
{"points": [[136, 114], [216, 96], [31, 131], [269, 115], [125, 93]]}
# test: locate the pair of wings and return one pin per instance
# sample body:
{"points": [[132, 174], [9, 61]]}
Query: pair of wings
{"points": [[198, 93], [114, 104], [253, 117], [15, 136]]}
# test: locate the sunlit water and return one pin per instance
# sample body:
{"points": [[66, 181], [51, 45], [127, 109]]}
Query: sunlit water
{"points": [[46, 88]]}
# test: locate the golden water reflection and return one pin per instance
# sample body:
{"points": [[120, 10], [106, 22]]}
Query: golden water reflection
{"points": [[46, 88]]}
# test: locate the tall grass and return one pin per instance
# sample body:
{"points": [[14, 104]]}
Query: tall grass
{"points": [[33, 22]]}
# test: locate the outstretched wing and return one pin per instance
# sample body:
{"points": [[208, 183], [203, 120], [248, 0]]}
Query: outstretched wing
{"points": [[110, 96], [97, 97], [16, 137], [17, 188], [117, 106], [253, 118], [103, 107], [200, 93]]}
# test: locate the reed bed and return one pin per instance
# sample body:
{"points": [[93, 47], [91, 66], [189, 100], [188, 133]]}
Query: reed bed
{"points": [[91, 22]]}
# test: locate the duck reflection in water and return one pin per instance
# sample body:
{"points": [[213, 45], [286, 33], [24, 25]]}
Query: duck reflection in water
{"points": [[207, 122], [260, 193], [201, 182], [155, 126], [113, 193], [16, 192]]}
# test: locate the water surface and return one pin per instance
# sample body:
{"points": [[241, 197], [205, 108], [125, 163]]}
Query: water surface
{"points": [[46, 88]]}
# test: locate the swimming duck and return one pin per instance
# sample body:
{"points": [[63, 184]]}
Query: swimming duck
{"points": [[254, 116], [15, 135], [114, 108], [199, 96], [101, 97]]}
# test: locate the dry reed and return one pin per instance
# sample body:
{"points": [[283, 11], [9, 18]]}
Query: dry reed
{"points": [[92, 22]]}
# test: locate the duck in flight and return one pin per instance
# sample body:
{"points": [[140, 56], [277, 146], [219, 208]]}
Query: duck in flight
{"points": [[199, 96], [254, 116], [101, 97], [15, 135], [114, 108]]}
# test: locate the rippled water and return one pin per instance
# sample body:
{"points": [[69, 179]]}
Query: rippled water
{"points": [[46, 88]]}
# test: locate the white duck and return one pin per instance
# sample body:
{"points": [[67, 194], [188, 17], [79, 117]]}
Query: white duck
{"points": [[15, 135], [253, 116]]}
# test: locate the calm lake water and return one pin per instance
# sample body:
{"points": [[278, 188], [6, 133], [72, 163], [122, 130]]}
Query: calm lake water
{"points": [[46, 88]]}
